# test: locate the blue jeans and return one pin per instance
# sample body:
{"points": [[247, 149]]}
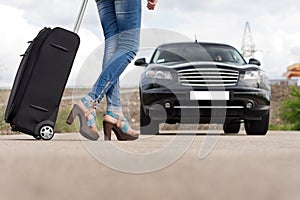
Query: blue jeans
{"points": [[121, 22]]}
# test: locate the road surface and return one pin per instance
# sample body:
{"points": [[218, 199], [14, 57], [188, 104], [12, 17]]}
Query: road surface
{"points": [[238, 167]]}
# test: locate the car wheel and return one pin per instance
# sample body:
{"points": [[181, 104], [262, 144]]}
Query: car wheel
{"points": [[231, 127], [147, 126], [257, 127]]}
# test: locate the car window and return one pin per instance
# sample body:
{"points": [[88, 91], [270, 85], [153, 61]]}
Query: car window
{"points": [[196, 52], [224, 54]]}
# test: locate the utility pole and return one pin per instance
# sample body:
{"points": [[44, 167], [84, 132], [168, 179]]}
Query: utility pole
{"points": [[248, 46]]}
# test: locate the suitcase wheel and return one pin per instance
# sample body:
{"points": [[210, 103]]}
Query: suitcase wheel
{"points": [[46, 132]]}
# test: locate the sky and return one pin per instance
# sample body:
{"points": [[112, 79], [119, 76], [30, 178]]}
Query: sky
{"points": [[274, 26]]}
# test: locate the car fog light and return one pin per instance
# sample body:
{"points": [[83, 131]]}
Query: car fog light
{"points": [[249, 105], [167, 105]]}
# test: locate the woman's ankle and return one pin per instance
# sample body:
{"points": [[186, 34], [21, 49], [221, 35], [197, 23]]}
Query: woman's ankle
{"points": [[113, 119], [86, 103]]}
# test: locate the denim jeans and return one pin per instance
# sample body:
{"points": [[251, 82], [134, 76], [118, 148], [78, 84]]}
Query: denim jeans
{"points": [[121, 22]]}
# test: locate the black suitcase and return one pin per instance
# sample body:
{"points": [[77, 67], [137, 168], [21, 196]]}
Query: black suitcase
{"points": [[40, 81]]}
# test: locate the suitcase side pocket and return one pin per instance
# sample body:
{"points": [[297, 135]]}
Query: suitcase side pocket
{"points": [[23, 74]]}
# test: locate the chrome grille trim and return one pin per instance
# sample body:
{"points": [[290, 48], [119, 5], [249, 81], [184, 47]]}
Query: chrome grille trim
{"points": [[209, 107], [208, 77]]}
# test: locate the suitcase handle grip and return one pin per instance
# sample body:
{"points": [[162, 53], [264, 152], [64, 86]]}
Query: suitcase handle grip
{"points": [[80, 16]]}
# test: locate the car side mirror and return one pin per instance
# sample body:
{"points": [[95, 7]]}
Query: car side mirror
{"points": [[141, 62], [254, 62]]}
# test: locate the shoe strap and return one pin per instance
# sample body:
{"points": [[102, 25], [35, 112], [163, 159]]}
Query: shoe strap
{"points": [[91, 111], [125, 128], [91, 122], [120, 120], [86, 103], [117, 117]]}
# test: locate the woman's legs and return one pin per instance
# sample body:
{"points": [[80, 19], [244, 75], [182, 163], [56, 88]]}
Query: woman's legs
{"points": [[110, 28], [121, 24], [121, 21]]}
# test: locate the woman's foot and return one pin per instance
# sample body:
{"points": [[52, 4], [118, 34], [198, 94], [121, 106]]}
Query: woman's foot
{"points": [[109, 118], [87, 116], [89, 111], [117, 122]]}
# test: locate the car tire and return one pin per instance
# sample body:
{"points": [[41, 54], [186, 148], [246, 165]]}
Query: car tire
{"points": [[231, 127], [148, 126], [257, 127]]}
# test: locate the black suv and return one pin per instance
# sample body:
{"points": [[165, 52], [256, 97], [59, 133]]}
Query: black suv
{"points": [[194, 83]]}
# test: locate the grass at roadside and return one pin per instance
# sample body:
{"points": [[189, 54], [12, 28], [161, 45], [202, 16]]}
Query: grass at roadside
{"points": [[281, 127], [61, 125], [3, 125]]}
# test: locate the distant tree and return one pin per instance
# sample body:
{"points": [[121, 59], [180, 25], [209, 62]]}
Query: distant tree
{"points": [[290, 110]]}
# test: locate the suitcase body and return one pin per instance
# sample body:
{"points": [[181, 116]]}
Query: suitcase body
{"points": [[40, 81]]}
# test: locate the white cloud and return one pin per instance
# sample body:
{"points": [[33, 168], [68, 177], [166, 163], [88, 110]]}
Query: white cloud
{"points": [[46, 11], [21, 24], [15, 32]]}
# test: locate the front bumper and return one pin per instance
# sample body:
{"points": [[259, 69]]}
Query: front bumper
{"points": [[243, 104]]}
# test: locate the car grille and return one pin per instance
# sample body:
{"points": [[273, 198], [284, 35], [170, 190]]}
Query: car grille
{"points": [[208, 77]]}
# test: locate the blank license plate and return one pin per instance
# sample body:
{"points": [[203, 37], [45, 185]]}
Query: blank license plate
{"points": [[209, 95]]}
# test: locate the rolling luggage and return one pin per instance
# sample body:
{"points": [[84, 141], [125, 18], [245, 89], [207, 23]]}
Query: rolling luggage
{"points": [[40, 81]]}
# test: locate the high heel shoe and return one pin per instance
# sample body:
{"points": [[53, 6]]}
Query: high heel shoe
{"points": [[121, 133], [86, 129]]}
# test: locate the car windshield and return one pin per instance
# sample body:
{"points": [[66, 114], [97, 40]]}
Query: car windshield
{"points": [[196, 53]]}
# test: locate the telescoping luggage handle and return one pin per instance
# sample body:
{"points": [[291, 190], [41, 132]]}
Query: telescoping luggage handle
{"points": [[80, 16]]}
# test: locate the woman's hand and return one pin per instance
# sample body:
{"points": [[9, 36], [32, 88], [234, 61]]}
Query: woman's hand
{"points": [[151, 4]]}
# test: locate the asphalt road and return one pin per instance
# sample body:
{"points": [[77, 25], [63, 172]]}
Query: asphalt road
{"points": [[238, 167]]}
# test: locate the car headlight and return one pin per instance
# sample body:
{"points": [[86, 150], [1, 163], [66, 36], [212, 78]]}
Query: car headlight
{"points": [[251, 75], [157, 74]]}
